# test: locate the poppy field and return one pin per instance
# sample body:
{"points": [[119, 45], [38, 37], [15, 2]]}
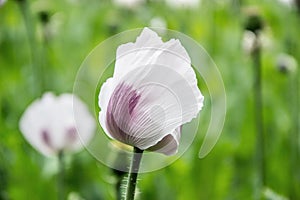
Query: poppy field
{"points": [[206, 93]]}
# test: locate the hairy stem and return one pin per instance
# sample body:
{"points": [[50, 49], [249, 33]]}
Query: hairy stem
{"points": [[133, 173]]}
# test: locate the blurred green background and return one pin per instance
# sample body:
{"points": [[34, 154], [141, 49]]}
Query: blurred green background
{"points": [[43, 43]]}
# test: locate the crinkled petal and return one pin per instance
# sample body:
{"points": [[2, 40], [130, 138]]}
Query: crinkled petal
{"points": [[133, 55]]}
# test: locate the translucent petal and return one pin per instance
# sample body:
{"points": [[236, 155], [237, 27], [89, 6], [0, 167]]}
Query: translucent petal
{"points": [[105, 93], [169, 144], [145, 50]]}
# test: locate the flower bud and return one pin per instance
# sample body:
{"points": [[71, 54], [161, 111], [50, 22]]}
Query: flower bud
{"points": [[286, 63], [254, 21]]}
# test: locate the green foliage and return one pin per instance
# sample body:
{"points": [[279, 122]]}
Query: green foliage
{"points": [[49, 60]]}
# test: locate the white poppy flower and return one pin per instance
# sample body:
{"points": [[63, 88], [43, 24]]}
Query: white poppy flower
{"points": [[288, 3], [183, 3], [152, 93], [49, 125]]}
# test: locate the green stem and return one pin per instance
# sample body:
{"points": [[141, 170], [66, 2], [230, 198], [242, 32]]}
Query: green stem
{"points": [[30, 29], [294, 172], [260, 140], [133, 173], [120, 176], [295, 135], [61, 177], [118, 189]]}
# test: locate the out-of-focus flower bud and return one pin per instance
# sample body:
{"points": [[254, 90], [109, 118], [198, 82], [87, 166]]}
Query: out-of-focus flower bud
{"points": [[286, 63], [44, 17], [254, 21]]}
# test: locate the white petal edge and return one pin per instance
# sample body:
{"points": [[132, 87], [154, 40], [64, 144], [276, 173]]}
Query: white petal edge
{"points": [[144, 51]]}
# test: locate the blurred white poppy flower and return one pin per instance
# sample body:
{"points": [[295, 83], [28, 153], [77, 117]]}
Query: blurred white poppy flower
{"points": [[183, 3], [288, 3], [2, 2], [158, 22], [152, 93], [49, 124], [128, 3], [286, 63]]}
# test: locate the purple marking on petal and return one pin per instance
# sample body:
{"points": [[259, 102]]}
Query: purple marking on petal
{"points": [[120, 111], [134, 99], [46, 138], [71, 134]]}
